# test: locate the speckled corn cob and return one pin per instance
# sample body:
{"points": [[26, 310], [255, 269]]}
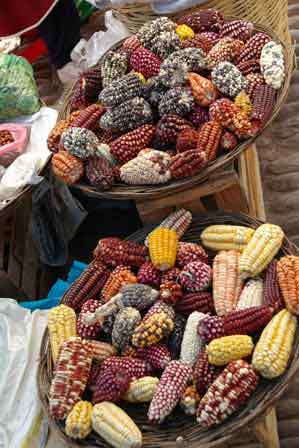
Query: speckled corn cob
{"points": [[198, 116], [223, 111], [152, 330], [141, 390], [114, 251], [171, 275], [79, 142], [188, 252], [272, 293], [196, 276], [261, 250], [253, 47], [99, 173], [159, 36], [209, 139], [110, 385], [178, 100], [144, 61], [118, 278], [272, 64], [273, 350], [204, 20], [187, 139], [136, 368], [124, 325], [88, 118], [169, 127], [87, 286], [61, 326], [252, 294], [137, 296], [195, 301], [176, 336], [115, 426], [101, 350], [78, 422], [253, 81], [204, 40], [226, 49], [88, 331], [288, 278], [227, 282], [91, 83], [228, 79], [222, 351], [179, 221], [150, 167], [71, 376], [249, 67], [170, 292], [203, 89], [148, 274], [160, 307], [211, 327], [127, 116], [170, 388], [157, 355], [243, 101], [123, 89], [238, 29], [204, 373], [228, 393], [67, 167], [128, 146], [226, 237], [192, 343], [189, 400], [131, 44], [263, 102], [187, 163], [114, 66], [162, 243]]}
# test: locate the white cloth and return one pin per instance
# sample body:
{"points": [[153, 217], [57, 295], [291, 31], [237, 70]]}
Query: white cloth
{"points": [[21, 419]]}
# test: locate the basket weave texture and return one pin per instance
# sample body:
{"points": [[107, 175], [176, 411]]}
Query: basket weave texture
{"points": [[179, 425]]}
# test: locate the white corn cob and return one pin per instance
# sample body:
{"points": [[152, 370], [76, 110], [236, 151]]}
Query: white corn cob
{"points": [[226, 237], [141, 390], [192, 343], [252, 294]]}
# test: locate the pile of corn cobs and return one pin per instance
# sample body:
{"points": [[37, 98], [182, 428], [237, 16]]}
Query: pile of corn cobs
{"points": [[164, 324], [168, 101]]}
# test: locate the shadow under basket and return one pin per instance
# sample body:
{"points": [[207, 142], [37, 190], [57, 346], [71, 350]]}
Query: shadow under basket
{"points": [[180, 430]]}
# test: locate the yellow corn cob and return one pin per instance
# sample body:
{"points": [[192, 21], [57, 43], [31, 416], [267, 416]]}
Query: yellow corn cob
{"points": [[261, 250], [226, 237], [273, 350], [227, 282], [162, 245], [102, 350], [115, 426], [141, 390], [223, 350], [184, 32], [78, 422], [61, 326], [252, 294], [288, 279], [243, 101]]}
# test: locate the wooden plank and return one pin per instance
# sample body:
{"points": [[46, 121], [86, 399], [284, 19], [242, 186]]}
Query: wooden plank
{"points": [[232, 199]]}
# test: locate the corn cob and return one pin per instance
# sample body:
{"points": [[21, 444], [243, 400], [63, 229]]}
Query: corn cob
{"points": [[196, 276], [272, 64], [71, 376], [157, 355], [179, 221], [227, 282], [170, 388], [115, 251], [187, 139], [171, 275], [88, 118], [249, 67], [160, 307], [176, 336], [152, 330], [253, 47], [226, 49], [149, 275], [272, 293], [127, 146], [198, 116], [231, 389], [120, 90], [288, 278], [169, 127], [203, 90], [204, 373], [162, 244], [110, 385], [261, 249], [118, 278], [93, 375], [243, 101], [273, 350], [251, 295], [226, 237], [188, 252], [238, 29], [192, 344], [228, 79], [263, 103], [209, 139], [131, 44], [136, 368], [78, 422], [67, 167], [88, 331], [228, 141], [87, 286], [184, 32], [124, 325], [195, 301], [187, 163], [141, 390], [170, 292], [61, 326], [99, 173], [104, 314], [204, 20], [223, 350], [114, 66], [115, 426], [189, 401], [137, 296], [205, 40], [253, 81], [102, 350]]}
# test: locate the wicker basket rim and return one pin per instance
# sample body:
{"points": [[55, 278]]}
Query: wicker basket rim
{"points": [[266, 395]]}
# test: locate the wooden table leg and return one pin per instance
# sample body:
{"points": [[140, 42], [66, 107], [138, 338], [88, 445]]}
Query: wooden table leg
{"points": [[266, 430]]}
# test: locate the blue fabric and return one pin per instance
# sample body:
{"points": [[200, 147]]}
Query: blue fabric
{"points": [[57, 290]]}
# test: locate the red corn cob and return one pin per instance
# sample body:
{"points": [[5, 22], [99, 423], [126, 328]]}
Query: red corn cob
{"points": [[272, 293], [71, 376], [118, 278], [188, 252], [253, 81], [263, 102], [87, 286], [198, 116], [204, 20], [204, 373], [187, 139], [148, 274], [145, 62], [170, 388], [196, 301], [204, 40], [196, 276], [157, 355], [88, 331], [187, 163], [169, 127], [110, 385], [247, 321], [253, 47], [88, 118], [131, 44], [211, 327], [228, 141], [238, 29], [136, 368], [231, 389], [171, 275], [209, 139], [247, 67], [170, 292], [128, 146], [226, 49], [115, 251]]}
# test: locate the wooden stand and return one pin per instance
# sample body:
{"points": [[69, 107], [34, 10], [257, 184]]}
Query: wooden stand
{"points": [[265, 430]]}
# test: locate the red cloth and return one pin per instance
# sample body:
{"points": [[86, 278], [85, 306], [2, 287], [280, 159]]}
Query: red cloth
{"points": [[17, 16]]}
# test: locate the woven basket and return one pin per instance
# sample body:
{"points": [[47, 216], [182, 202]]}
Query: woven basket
{"points": [[135, 192], [179, 425]]}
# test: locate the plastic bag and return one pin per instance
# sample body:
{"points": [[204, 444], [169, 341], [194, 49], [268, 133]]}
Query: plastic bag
{"points": [[18, 90], [10, 151]]}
